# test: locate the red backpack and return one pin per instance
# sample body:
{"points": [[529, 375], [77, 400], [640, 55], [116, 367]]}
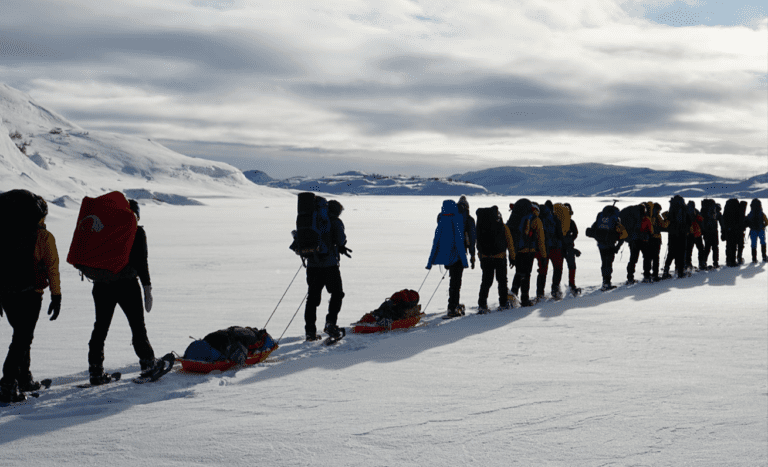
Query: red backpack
{"points": [[104, 235]]}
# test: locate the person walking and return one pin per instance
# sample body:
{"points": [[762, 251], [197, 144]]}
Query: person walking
{"points": [[493, 242], [30, 265], [324, 272], [757, 221]]}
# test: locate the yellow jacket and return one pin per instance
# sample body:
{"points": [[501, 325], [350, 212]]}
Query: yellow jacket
{"points": [[46, 259], [535, 228]]}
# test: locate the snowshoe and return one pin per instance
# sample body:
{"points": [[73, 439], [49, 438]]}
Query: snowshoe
{"points": [[575, 290], [162, 367], [557, 294], [607, 286], [483, 310], [335, 334], [104, 378], [313, 337], [9, 394]]}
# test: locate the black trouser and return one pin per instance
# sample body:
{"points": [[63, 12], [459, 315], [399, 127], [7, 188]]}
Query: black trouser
{"points": [[607, 254], [456, 271], [676, 248], [106, 296], [691, 241], [635, 247], [318, 279], [522, 280], [654, 251], [731, 247], [711, 242], [491, 267], [22, 310]]}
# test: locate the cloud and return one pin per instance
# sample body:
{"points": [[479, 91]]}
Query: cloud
{"points": [[460, 83]]}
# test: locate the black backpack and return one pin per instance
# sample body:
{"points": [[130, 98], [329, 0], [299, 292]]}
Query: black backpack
{"points": [[521, 209], [491, 237], [604, 228], [731, 215], [709, 213], [312, 236], [679, 220], [20, 211], [632, 219]]}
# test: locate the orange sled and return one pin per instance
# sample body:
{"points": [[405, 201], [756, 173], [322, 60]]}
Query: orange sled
{"points": [[368, 325], [196, 366]]}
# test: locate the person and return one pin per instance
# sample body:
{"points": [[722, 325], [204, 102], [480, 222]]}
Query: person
{"points": [[123, 289], [694, 238], [449, 249], [757, 221], [531, 241], [570, 253], [470, 229], [21, 305], [494, 262], [553, 237], [610, 234], [677, 233], [742, 230], [730, 229], [632, 218], [324, 272], [710, 213]]}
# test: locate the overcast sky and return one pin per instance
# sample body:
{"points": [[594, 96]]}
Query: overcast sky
{"points": [[411, 87]]}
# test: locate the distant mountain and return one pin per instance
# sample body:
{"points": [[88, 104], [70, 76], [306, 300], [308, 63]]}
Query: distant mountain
{"points": [[361, 183], [45, 153], [611, 181]]}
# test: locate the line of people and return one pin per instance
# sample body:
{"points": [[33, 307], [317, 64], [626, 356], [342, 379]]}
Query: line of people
{"points": [[544, 235]]}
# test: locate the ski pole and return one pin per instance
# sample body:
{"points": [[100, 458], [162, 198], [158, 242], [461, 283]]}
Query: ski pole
{"points": [[433, 293], [281, 298], [292, 317], [425, 280]]}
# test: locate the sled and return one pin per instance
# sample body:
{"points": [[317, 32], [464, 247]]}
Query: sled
{"points": [[368, 324], [197, 366]]}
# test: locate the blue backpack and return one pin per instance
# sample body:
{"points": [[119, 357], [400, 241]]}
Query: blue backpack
{"points": [[604, 228]]}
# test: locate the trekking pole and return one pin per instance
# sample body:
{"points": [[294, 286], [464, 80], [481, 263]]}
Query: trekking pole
{"points": [[294, 315], [281, 298], [433, 293], [425, 280]]}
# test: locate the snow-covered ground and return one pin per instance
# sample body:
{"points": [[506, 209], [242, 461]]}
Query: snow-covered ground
{"points": [[667, 374]]}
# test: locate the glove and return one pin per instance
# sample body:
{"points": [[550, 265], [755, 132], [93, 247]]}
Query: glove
{"points": [[576, 252], [55, 307], [148, 298], [345, 251], [472, 261]]}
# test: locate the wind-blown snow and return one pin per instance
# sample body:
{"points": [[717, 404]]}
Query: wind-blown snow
{"points": [[672, 373]]}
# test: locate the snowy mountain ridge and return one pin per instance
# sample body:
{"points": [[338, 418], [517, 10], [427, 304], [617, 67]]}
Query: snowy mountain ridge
{"points": [[44, 152]]}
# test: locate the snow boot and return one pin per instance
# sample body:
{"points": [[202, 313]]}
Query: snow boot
{"points": [[9, 393], [754, 255], [333, 331], [557, 294], [765, 257], [29, 385], [98, 377], [313, 337]]}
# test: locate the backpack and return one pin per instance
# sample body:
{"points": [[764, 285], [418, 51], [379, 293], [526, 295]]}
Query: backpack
{"points": [[104, 235], [731, 214], [521, 209], [563, 214], [709, 213], [755, 217], [632, 219], [604, 228], [679, 219], [396, 306], [21, 211], [552, 228], [491, 237], [312, 236]]}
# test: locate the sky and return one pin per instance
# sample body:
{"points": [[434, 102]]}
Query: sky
{"points": [[407, 87]]}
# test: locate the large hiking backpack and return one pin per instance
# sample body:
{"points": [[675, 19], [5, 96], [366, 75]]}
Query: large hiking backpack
{"points": [[563, 214], [709, 213], [731, 215], [491, 237], [103, 238], [679, 219], [20, 211], [520, 210], [755, 217], [551, 227], [604, 228], [313, 227], [632, 219]]}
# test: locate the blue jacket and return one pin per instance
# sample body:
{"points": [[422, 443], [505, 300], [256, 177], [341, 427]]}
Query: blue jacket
{"points": [[448, 244]]}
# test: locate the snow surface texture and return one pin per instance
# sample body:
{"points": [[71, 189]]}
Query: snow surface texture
{"points": [[666, 374]]}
